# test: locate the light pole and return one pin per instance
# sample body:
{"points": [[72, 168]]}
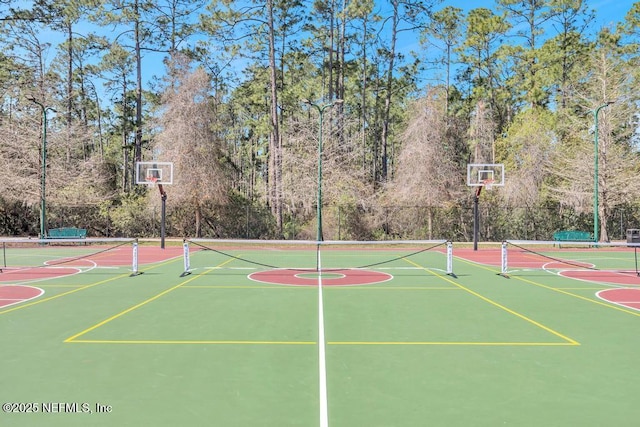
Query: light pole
{"points": [[43, 177], [595, 179], [321, 109]]}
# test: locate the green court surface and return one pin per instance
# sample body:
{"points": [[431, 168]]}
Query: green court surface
{"points": [[238, 342]]}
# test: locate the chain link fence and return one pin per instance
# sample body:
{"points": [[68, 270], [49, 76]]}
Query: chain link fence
{"points": [[345, 222]]}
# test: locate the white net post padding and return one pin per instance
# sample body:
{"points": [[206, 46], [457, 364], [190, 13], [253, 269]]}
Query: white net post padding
{"points": [[503, 262], [449, 258], [187, 262], [134, 260]]}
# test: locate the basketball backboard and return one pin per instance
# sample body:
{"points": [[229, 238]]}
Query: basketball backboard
{"points": [[150, 173], [485, 174]]}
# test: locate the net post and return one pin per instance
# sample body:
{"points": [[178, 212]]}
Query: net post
{"points": [[450, 259], [503, 260], [187, 261], [134, 259], [318, 262]]}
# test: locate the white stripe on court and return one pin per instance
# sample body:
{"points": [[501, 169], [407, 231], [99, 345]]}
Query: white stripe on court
{"points": [[322, 362]]}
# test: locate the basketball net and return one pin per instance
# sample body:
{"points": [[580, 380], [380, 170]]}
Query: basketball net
{"points": [[488, 183], [153, 180]]}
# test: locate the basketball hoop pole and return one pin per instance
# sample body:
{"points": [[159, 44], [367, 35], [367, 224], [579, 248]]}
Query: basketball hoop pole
{"points": [[481, 175], [476, 218], [163, 214], [160, 174]]}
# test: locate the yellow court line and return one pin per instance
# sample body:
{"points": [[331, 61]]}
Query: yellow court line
{"points": [[363, 287], [130, 309], [285, 287], [562, 291], [390, 288], [78, 288], [455, 343], [60, 286], [193, 342], [494, 303]]}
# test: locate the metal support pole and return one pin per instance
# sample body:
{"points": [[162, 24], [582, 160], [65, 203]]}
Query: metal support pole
{"points": [[163, 215], [476, 218], [43, 175], [43, 178], [319, 201], [596, 238], [321, 110]]}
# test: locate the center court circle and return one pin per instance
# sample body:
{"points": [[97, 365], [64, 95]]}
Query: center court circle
{"points": [[310, 277]]}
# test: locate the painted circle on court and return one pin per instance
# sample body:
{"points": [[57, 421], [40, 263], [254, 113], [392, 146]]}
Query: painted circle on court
{"points": [[310, 277], [15, 294], [626, 297]]}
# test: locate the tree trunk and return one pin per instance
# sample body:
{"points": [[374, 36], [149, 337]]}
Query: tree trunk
{"points": [[275, 139], [389, 90]]}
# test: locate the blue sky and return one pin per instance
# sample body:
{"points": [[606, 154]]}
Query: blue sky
{"points": [[608, 14], [608, 11]]}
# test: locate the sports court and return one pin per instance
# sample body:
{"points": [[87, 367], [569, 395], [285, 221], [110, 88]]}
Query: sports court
{"points": [[252, 333]]}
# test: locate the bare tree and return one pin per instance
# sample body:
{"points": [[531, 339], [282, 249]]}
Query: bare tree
{"points": [[428, 171], [481, 134], [526, 151], [188, 140], [343, 179]]}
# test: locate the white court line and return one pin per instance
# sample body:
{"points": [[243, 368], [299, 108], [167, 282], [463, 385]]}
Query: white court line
{"points": [[324, 410]]}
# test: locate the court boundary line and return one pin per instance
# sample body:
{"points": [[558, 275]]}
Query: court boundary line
{"points": [[332, 343], [456, 287], [457, 343], [192, 342]]}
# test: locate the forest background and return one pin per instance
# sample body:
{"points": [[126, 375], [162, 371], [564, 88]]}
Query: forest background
{"points": [[246, 90]]}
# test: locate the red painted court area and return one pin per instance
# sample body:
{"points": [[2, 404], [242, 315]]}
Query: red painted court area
{"points": [[15, 294], [484, 256], [12, 275], [517, 259], [629, 298], [297, 277], [614, 277]]}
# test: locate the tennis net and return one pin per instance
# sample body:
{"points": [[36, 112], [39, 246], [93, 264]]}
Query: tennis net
{"points": [[614, 258], [317, 256], [23, 254]]}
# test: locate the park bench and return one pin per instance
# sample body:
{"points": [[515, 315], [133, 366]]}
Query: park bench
{"points": [[67, 233], [572, 236]]}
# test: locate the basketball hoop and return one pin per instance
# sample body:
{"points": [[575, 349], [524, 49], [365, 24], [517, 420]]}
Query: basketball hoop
{"points": [[151, 180], [488, 183]]}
